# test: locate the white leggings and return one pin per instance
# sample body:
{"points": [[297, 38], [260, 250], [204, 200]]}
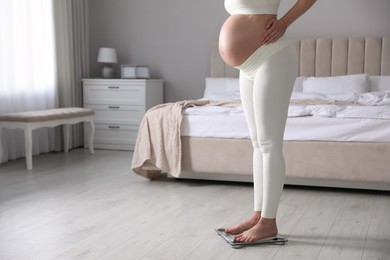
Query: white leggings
{"points": [[265, 100]]}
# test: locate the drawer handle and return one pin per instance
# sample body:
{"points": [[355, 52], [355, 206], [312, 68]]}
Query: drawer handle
{"points": [[114, 107], [114, 127], [113, 87]]}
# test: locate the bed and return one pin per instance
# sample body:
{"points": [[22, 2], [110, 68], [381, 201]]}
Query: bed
{"points": [[313, 159]]}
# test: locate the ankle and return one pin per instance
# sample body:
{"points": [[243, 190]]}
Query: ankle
{"points": [[257, 214], [270, 224], [268, 221]]}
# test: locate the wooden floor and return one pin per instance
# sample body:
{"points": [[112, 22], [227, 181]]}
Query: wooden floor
{"points": [[82, 206]]}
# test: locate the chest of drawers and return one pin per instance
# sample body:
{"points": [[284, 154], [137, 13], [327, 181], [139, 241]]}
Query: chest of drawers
{"points": [[119, 106]]}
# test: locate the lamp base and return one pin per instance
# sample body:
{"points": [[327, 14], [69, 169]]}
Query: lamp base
{"points": [[107, 72]]}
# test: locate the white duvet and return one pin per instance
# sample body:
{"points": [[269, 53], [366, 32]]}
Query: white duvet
{"points": [[374, 112], [366, 105], [367, 120]]}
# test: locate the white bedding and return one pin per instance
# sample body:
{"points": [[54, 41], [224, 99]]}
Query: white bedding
{"points": [[359, 123]]}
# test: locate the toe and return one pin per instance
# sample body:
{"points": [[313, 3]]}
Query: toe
{"points": [[240, 238], [230, 231], [244, 239]]}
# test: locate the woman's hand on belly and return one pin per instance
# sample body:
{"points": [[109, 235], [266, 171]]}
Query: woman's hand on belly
{"points": [[274, 30]]}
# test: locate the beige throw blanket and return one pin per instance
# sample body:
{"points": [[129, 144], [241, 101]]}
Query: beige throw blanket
{"points": [[158, 145]]}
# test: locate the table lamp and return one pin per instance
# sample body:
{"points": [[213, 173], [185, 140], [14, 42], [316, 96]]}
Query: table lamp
{"points": [[107, 56]]}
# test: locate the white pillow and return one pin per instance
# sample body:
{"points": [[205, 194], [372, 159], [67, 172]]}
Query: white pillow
{"points": [[298, 84], [357, 83], [222, 89], [379, 83]]}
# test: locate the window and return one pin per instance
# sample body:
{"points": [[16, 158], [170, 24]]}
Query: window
{"points": [[27, 48]]}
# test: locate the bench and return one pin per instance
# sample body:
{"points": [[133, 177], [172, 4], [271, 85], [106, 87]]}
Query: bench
{"points": [[31, 120]]}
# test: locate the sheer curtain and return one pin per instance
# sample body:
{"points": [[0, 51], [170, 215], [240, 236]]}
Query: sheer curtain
{"points": [[43, 57], [72, 52], [27, 69]]}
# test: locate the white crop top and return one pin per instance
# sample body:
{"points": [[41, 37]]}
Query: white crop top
{"points": [[252, 6]]}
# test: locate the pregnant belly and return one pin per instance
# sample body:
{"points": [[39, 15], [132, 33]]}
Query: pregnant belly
{"points": [[240, 36]]}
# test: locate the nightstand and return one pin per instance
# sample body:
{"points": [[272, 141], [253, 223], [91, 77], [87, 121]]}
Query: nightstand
{"points": [[119, 106]]}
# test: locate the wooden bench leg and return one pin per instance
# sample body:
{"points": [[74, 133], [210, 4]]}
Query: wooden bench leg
{"points": [[91, 134], [28, 146], [1, 146], [66, 129]]}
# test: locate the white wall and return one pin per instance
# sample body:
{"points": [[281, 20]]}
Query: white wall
{"points": [[173, 37]]}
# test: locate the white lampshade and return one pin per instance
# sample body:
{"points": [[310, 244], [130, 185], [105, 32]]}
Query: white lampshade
{"points": [[107, 55]]}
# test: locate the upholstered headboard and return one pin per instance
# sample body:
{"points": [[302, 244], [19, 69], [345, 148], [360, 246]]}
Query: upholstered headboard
{"points": [[327, 57]]}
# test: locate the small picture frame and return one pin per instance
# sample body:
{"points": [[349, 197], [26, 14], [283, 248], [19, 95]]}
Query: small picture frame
{"points": [[129, 71], [142, 72]]}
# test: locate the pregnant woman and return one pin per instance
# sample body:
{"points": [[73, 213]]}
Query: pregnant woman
{"points": [[252, 40]]}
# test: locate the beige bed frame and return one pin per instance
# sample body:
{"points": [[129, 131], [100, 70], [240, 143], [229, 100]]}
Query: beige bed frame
{"points": [[329, 164]]}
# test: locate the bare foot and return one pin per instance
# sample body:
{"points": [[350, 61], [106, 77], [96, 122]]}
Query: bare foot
{"points": [[245, 225], [266, 227]]}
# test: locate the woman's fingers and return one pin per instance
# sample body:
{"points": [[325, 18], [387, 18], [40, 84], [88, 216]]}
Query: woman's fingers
{"points": [[269, 23], [274, 32]]}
